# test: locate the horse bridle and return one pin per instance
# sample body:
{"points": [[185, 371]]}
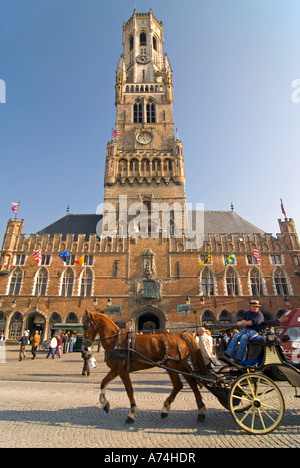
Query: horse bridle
{"points": [[89, 321]]}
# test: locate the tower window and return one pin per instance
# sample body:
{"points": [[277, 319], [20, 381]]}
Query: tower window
{"points": [[143, 39], [131, 43], [138, 113], [151, 117], [154, 43]]}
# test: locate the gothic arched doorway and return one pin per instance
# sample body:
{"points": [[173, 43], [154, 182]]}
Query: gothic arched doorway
{"points": [[148, 318], [148, 322], [36, 322]]}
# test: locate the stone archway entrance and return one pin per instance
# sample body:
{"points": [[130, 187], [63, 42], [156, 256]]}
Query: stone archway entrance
{"points": [[36, 321], [148, 318]]}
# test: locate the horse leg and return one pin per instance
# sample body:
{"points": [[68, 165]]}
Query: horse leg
{"points": [[177, 386], [108, 378], [129, 389], [200, 405]]}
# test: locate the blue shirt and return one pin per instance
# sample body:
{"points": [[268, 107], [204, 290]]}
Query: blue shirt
{"points": [[257, 319]]}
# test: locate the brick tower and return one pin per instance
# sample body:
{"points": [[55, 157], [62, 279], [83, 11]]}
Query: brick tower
{"points": [[145, 162]]}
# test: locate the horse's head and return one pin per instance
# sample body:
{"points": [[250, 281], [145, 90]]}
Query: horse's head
{"points": [[89, 327]]}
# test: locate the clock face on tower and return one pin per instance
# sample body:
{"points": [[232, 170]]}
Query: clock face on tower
{"points": [[143, 59], [144, 138]]}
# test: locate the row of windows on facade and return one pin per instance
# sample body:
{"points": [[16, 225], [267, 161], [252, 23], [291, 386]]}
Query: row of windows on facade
{"points": [[256, 281], [89, 259], [207, 282]]}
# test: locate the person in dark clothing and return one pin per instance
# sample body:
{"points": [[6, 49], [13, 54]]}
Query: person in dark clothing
{"points": [[252, 320], [23, 342], [86, 354]]}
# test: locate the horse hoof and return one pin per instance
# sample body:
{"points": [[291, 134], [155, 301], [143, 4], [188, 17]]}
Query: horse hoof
{"points": [[129, 420], [106, 407], [201, 417], [164, 415]]}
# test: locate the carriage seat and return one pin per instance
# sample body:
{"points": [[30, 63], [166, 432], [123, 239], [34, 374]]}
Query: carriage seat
{"points": [[254, 352]]}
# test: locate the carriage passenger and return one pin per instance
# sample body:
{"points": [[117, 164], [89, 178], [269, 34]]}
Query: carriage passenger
{"points": [[252, 321]]}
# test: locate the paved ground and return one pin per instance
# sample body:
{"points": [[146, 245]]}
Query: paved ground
{"points": [[47, 403]]}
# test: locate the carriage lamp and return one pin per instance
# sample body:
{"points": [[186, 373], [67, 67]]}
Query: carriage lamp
{"points": [[187, 300], [0, 301], [202, 300], [14, 303], [109, 301], [95, 301]]}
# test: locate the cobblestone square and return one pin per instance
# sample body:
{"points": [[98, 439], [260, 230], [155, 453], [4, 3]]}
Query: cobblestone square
{"points": [[48, 403]]}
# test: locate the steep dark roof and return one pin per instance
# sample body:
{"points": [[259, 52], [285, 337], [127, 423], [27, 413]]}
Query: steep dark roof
{"points": [[73, 224], [228, 222], [215, 222]]}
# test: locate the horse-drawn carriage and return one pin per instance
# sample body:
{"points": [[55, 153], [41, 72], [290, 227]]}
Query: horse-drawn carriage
{"points": [[245, 389]]}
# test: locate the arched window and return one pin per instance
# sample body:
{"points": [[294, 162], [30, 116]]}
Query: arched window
{"points": [[15, 282], [134, 165], [2, 321], [72, 318], [143, 39], [280, 283], [151, 114], [67, 283], [15, 327], [207, 282], [86, 282], [232, 287], [41, 282], [138, 112], [208, 318], [225, 317], [131, 43], [256, 282], [54, 318]]}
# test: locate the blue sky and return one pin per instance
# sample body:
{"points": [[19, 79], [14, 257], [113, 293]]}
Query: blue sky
{"points": [[233, 64]]}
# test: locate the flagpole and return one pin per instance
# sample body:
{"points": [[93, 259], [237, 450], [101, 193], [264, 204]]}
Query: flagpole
{"points": [[17, 210]]}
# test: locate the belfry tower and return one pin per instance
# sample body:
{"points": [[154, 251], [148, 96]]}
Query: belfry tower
{"points": [[145, 162]]}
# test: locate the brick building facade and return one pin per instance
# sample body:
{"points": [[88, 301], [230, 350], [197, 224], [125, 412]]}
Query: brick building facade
{"points": [[143, 256]]}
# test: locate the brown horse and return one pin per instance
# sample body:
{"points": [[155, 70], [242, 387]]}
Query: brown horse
{"points": [[169, 350]]}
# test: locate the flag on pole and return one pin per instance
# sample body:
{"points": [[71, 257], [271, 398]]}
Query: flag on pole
{"points": [[230, 258], [206, 260], [15, 207], [80, 261], [282, 208], [37, 256], [256, 254], [114, 133], [64, 255]]}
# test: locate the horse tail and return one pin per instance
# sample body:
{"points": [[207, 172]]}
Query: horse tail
{"points": [[195, 354]]}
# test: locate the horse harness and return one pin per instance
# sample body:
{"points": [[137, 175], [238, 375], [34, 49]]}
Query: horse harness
{"points": [[131, 354]]}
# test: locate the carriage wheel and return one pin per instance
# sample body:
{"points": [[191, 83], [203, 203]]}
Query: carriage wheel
{"points": [[256, 403]]}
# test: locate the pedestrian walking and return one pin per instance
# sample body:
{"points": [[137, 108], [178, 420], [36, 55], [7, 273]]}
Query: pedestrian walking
{"points": [[59, 347], [52, 347], [35, 344], [86, 354], [72, 342], [23, 341]]}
